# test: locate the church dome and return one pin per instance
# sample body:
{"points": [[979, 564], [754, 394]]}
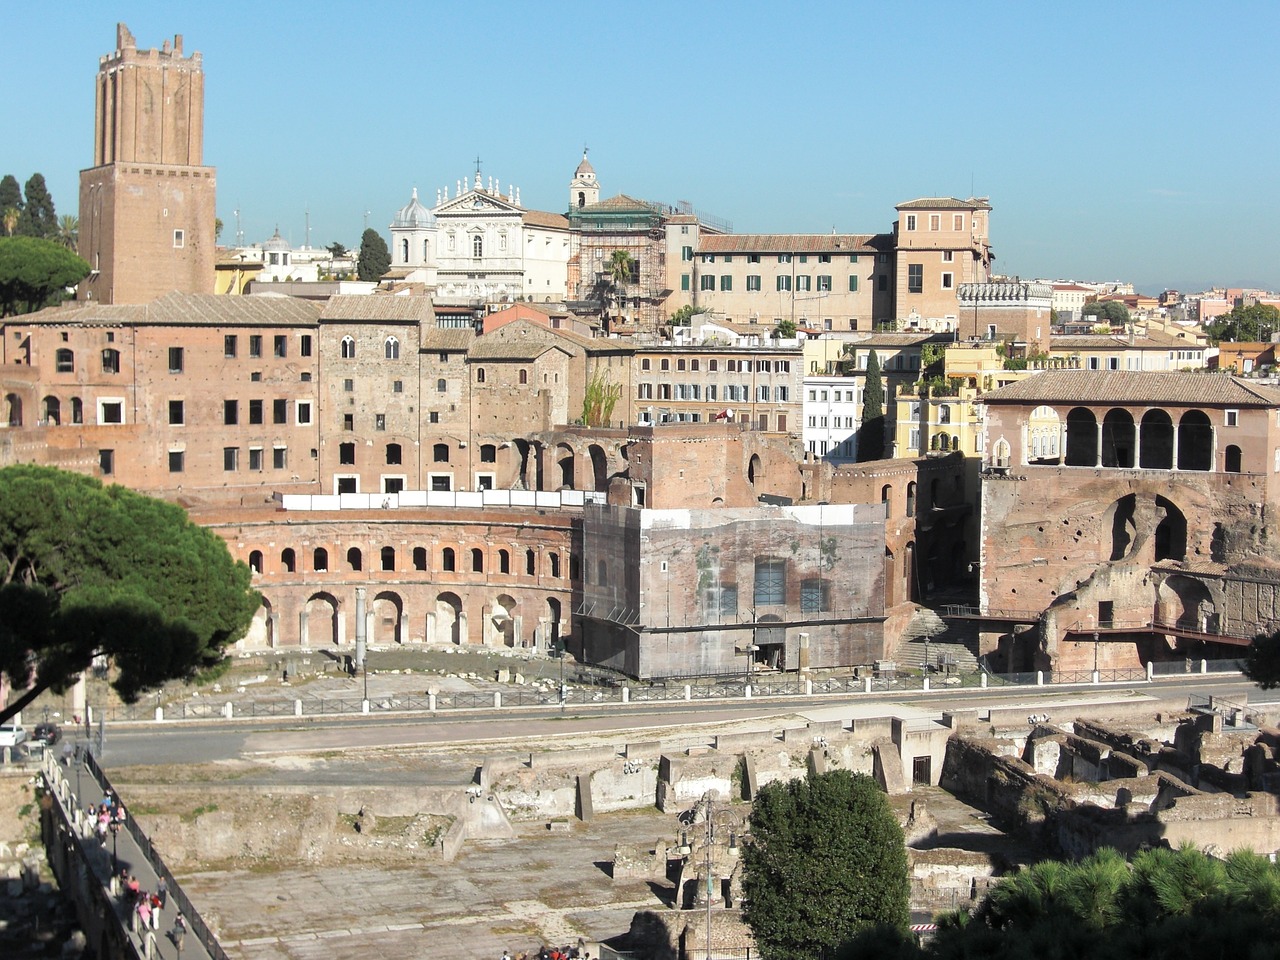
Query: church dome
{"points": [[277, 242], [585, 171], [413, 215]]}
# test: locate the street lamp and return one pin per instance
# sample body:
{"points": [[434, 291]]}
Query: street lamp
{"points": [[564, 693], [926, 654], [114, 826]]}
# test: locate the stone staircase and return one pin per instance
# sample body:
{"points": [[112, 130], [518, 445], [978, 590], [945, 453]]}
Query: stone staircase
{"points": [[957, 639]]}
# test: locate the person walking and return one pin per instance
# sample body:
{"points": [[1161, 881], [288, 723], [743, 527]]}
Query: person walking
{"points": [[179, 931]]}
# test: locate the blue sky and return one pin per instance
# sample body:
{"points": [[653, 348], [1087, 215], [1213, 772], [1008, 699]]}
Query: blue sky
{"points": [[1133, 141]]}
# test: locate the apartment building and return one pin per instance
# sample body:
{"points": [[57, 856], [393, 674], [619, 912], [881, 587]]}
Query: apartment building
{"points": [[939, 244]]}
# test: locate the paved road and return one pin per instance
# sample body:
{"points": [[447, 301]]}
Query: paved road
{"points": [[207, 741]]}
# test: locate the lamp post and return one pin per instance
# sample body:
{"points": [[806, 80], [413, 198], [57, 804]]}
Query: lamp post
{"points": [[114, 826], [926, 654], [564, 693], [710, 837]]}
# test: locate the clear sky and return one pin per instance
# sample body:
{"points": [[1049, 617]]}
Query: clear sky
{"points": [[1134, 140]]}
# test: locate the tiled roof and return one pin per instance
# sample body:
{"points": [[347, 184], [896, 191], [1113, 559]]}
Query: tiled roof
{"points": [[1133, 387], [787, 243], [619, 203], [375, 308], [1071, 286], [489, 349], [186, 309], [1152, 340], [447, 339], [945, 203], [552, 221]]}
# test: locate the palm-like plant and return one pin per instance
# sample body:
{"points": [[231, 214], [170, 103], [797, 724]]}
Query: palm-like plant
{"points": [[619, 273], [69, 231], [10, 218]]}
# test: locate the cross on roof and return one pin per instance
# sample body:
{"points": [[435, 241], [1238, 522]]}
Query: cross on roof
{"points": [[477, 163]]}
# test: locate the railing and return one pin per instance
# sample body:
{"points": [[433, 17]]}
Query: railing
{"points": [[195, 923], [964, 612]]}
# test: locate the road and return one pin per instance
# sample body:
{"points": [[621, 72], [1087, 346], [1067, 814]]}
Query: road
{"points": [[210, 741]]}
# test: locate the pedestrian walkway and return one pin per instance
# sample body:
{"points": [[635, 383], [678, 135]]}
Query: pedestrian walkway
{"points": [[75, 787]]}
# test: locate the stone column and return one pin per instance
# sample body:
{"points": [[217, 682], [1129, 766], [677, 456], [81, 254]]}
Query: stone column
{"points": [[517, 631], [431, 628], [464, 637], [1098, 458], [361, 628], [1173, 463]]}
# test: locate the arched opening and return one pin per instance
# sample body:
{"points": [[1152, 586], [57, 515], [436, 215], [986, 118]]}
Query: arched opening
{"points": [[911, 498], [404, 251], [448, 561], [1082, 438], [1171, 532], [440, 453], [419, 558], [388, 558], [754, 475], [13, 409], [394, 453], [354, 559], [1044, 433], [391, 349], [503, 621], [530, 563], [886, 493], [1195, 441], [448, 627], [1156, 445], [1187, 603], [320, 621], [909, 572], [52, 411], [477, 560], [553, 623], [554, 560], [890, 578], [320, 560], [599, 467], [1120, 519], [504, 561], [77, 410], [348, 348], [1001, 454], [1117, 439], [289, 560], [1231, 459], [770, 642], [564, 460], [388, 618], [255, 561], [261, 631]]}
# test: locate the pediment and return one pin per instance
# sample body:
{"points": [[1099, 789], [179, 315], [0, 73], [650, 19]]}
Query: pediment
{"points": [[475, 202]]}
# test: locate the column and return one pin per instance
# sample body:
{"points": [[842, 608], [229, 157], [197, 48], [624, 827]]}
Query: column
{"points": [[1098, 457], [361, 628], [464, 636]]}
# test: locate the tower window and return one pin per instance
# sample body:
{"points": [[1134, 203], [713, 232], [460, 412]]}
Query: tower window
{"points": [[179, 239]]}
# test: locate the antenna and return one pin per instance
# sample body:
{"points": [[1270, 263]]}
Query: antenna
{"points": [[239, 232], [366, 218], [307, 214]]}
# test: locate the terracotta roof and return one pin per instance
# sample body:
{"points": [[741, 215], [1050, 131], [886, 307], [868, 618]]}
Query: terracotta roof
{"points": [[618, 203], [787, 243], [447, 339], [945, 203], [375, 308], [540, 218], [1071, 286], [1152, 340], [187, 309], [486, 348], [1103, 387]]}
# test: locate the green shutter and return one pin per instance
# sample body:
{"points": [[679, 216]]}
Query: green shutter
{"points": [[853, 283]]}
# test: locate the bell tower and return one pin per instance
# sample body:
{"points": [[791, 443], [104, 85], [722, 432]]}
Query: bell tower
{"points": [[147, 204], [584, 190]]}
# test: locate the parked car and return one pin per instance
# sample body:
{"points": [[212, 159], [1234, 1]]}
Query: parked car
{"points": [[47, 733], [12, 734]]}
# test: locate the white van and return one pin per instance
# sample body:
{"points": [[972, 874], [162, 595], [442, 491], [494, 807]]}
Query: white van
{"points": [[12, 734]]}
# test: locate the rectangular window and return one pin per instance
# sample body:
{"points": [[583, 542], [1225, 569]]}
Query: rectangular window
{"points": [[804, 258], [111, 411], [179, 239], [708, 258], [230, 458], [915, 278], [684, 281], [230, 412], [346, 453], [175, 359], [770, 581], [948, 281], [255, 412], [107, 462], [707, 282], [948, 256], [280, 458], [853, 283], [176, 461], [279, 411], [784, 282], [1233, 418], [281, 346], [304, 345], [753, 283], [433, 417], [815, 595], [229, 345], [255, 345], [935, 221], [911, 221], [397, 386], [753, 258], [824, 283], [803, 282], [957, 221], [824, 258], [686, 254], [726, 282], [110, 360], [713, 363], [784, 258], [349, 386], [348, 421], [177, 413], [255, 459], [304, 412]]}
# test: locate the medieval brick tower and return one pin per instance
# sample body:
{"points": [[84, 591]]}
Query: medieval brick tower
{"points": [[147, 203]]}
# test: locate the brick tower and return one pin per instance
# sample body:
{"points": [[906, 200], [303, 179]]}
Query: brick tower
{"points": [[147, 203]]}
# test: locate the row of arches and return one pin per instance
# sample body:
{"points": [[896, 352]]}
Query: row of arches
{"points": [[502, 560], [1153, 443], [390, 348], [326, 621]]}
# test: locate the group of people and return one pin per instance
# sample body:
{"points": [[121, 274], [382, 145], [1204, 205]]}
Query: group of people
{"points": [[552, 953], [104, 814], [146, 906]]}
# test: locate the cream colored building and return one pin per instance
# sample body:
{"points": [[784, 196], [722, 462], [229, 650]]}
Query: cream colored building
{"points": [[1141, 349], [941, 242]]}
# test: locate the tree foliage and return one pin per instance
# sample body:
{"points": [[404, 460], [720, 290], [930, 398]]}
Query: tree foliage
{"points": [[1113, 311], [785, 330], [34, 272], [88, 570], [1171, 904], [684, 316], [336, 249], [826, 860], [38, 218], [599, 399], [1253, 324], [1262, 661], [871, 430], [10, 193], [375, 258]]}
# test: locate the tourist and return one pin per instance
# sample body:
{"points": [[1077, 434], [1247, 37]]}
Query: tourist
{"points": [[179, 931], [162, 891]]}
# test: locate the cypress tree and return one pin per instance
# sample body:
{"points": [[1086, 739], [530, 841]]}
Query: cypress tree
{"points": [[10, 197], [38, 218], [871, 432], [375, 258]]}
